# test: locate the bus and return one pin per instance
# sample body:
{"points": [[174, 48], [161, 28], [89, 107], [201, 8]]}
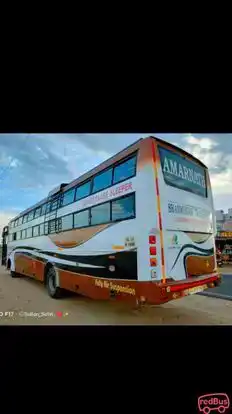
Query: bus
{"points": [[139, 227]]}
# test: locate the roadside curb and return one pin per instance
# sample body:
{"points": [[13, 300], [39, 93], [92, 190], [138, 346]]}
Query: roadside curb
{"points": [[215, 295]]}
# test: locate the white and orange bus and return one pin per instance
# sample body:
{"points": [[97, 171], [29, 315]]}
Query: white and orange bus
{"points": [[139, 227]]}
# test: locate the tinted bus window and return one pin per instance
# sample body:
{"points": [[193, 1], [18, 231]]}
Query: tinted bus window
{"points": [[35, 231], [182, 173], [31, 215], [67, 222], [48, 207], [20, 221], [37, 212], [18, 236], [52, 226], [81, 219], [54, 205], [102, 180], [43, 209], [100, 214], [23, 234], [29, 232], [25, 218], [16, 223], [83, 191], [41, 229], [123, 208], [68, 197], [125, 170]]}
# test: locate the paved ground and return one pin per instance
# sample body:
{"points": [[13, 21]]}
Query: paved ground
{"points": [[21, 296]]}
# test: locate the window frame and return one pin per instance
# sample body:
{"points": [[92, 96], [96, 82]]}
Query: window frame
{"points": [[60, 204], [90, 181], [98, 205], [43, 206], [134, 155], [121, 198], [89, 219], [60, 218], [37, 225], [37, 208], [41, 224], [32, 211], [27, 231]]}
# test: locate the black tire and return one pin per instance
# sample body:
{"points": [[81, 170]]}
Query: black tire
{"points": [[54, 291], [14, 274]]}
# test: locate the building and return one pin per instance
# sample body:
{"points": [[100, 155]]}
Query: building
{"points": [[224, 230]]}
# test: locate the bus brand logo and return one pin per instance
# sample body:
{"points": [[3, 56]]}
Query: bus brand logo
{"points": [[209, 402], [175, 239]]}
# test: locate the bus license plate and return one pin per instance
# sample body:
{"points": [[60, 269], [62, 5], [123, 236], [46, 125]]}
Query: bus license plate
{"points": [[196, 289]]}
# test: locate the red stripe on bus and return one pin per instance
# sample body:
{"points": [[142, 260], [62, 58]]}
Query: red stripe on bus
{"points": [[157, 186], [160, 221], [162, 256]]}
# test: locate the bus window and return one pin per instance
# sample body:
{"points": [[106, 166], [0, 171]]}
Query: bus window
{"points": [[123, 208], [41, 229], [125, 170], [18, 237], [54, 205], [43, 209], [48, 208], [180, 172], [37, 212], [67, 222], [83, 190], [100, 214], [35, 231], [102, 180], [81, 219], [52, 226], [16, 223], [14, 236], [20, 221], [25, 218], [23, 234], [29, 232], [31, 215], [68, 198]]}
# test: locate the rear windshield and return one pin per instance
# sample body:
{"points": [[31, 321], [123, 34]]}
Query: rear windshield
{"points": [[182, 173]]}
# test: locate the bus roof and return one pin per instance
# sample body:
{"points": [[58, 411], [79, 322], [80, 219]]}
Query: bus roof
{"points": [[105, 164]]}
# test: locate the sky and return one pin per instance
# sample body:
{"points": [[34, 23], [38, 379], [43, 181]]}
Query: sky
{"points": [[33, 164]]}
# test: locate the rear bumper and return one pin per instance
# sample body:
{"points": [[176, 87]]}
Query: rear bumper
{"points": [[175, 290], [158, 293]]}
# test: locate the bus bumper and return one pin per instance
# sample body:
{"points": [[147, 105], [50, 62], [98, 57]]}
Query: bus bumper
{"points": [[190, 286]]}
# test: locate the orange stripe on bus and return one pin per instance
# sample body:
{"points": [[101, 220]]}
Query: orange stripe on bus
{"points": [[157, 162]]}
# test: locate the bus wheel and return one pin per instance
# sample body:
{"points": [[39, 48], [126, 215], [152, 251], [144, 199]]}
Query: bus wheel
{"points": [[53, 290]]}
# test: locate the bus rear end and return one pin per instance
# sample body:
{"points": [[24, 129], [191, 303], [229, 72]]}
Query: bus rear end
{"points": [[186, 223]]}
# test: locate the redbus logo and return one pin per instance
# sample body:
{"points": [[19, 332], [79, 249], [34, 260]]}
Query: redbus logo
{"points": [[209, 402]]}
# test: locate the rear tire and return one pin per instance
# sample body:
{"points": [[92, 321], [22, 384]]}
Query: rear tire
{"points": [[53, 290]]}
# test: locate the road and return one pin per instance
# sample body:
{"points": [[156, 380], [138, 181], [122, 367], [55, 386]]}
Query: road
{"points": [[27, 295]]}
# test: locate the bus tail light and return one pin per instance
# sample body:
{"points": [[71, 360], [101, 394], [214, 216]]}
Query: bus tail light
{"points": [[153, 250], [152, 239], [153, 261]]}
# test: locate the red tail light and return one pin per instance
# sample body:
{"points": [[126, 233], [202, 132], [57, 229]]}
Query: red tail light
{"points": [[152, 239], [153, 251]]}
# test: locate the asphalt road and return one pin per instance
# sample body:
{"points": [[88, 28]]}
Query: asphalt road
{"points": [[224, 291], [24, 301]]}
